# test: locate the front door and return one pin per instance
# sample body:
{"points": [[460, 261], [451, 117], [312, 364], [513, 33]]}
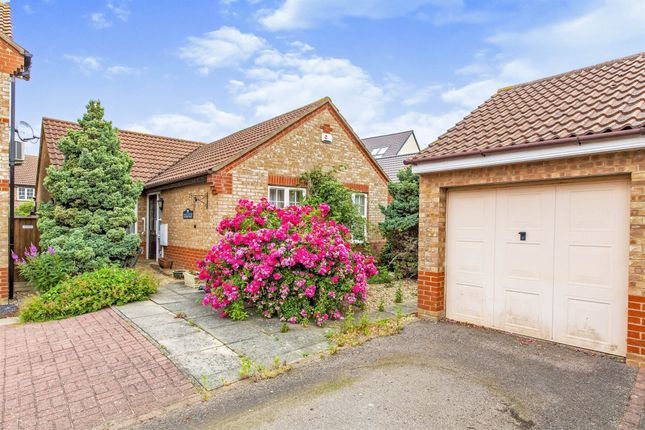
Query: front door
{"points": [[152, 227]]}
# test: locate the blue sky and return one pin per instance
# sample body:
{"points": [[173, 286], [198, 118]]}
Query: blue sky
{"points": [[203, 69]]}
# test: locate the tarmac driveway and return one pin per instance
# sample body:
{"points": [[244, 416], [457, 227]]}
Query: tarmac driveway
{"points": [[433, 375]]}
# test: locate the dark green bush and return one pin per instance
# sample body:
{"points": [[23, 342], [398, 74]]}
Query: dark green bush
{"points": [[400, 228], [89, 292]]}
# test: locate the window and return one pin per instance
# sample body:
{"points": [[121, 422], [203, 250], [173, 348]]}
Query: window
{"points": [[360, 201], [26, 193], [286, 196], [378, 152]]}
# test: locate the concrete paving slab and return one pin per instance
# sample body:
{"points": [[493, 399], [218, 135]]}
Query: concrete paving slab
{"points": [[141, 309], [195, 340], [166, 317], [165, 296], [230, 333], [162, 332], [191, 309], [208, 366], [180, 288]]}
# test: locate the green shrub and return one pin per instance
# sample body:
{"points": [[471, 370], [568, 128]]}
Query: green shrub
{"points": [[325, 187], [24, 209], [382, 277], [45, 270], [89, 292]]}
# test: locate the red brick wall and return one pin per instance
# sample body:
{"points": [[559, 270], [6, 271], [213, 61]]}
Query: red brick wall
{"points": [[184, 258]]}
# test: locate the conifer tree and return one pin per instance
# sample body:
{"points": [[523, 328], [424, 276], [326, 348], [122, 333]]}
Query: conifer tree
{"points": [[400, 228], [93, 196]]}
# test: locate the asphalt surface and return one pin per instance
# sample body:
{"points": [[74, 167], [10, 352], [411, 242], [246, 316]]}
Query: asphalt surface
{"points": [[432, 375]]}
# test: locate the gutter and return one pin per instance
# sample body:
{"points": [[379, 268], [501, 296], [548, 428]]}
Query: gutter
{"points": [[552, 142]]}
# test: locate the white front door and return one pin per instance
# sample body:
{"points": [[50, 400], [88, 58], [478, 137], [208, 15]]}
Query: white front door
{"points": [[547, 261]]}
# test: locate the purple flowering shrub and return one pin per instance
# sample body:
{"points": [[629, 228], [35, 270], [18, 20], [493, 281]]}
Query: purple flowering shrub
{"points": [[43, 270], [291, 263]]}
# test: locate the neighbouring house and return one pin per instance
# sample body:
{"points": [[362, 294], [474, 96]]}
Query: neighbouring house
{"points": [[190, 186], [25, 180], [15, 63], [390, 150], [532, 211]]}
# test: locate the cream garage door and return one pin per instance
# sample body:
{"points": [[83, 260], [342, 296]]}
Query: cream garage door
{"points": [[547, 261]]}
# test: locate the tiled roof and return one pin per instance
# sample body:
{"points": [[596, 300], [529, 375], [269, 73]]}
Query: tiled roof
{"points": [[151, 154], [392, 165], [217, 154], [5, 19], [25, 173], [393, 142], [607, 97]]}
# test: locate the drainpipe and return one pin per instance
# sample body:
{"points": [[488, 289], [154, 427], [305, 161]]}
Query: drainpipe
{"points": [[12, 165]]}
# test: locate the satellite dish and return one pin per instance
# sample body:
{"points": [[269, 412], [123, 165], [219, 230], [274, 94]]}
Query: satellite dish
{"points": [[25, 131]]}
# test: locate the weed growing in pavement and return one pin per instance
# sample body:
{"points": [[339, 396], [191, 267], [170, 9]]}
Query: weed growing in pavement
{"points": [[284, 328], [246, 367], [398, 295]]}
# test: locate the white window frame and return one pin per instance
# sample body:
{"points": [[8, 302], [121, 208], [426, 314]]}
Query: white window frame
{"points": [[363, 215], [25, 198], [286, 190]]}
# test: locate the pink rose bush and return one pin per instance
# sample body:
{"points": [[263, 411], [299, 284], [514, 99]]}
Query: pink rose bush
{"points": [[292, 263]]}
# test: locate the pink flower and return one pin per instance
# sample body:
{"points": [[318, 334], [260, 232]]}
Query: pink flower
{"points": [[277, 276]]}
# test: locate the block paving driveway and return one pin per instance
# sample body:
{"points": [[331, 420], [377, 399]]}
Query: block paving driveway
{"points": [[83, 372]]}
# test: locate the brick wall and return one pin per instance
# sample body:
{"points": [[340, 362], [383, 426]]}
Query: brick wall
{"points": [[4, 180], [432, 223], [278, 163]]}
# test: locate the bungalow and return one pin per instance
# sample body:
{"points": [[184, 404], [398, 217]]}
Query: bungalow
{"points": [[190, 186], [532, 211], [390, 150]]}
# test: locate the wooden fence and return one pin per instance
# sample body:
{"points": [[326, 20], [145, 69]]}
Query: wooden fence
{"points": [[25, 232]]}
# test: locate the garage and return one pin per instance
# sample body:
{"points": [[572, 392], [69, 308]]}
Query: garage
{"points": [[547, 261]]}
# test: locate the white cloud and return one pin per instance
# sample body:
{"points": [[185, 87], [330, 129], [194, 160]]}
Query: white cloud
{"points": [[92, 65], [226, 47], [202, 122], [121, 70], [120, 10], [301, 46], [293, 79], [85, 64], [98, 20], [300, 14]]}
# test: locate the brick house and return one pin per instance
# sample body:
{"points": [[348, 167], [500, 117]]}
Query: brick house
{"points": [[532, 211], [25, 180], [391, 150], [194, 185], [15, 62]]}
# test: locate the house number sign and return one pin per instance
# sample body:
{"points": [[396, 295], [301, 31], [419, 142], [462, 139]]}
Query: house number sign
{"points": [[188, 214]]}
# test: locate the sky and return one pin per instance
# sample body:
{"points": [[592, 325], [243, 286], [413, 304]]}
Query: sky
{"points": [[202, 69]]}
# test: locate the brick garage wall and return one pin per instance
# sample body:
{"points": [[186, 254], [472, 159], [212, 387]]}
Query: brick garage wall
{"points": [[4, 178], [432, 224], [280, 162]]}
